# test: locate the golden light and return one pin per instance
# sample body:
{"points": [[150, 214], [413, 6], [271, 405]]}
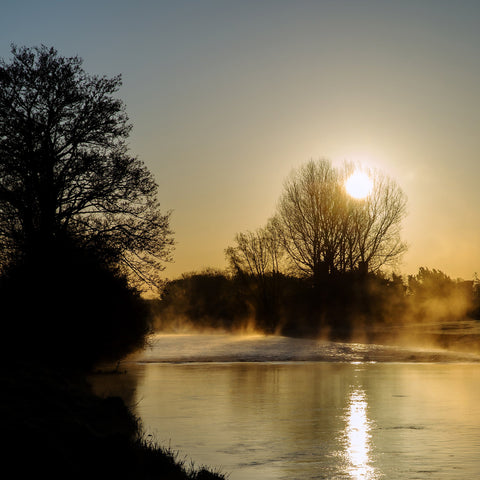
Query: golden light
{"points": [[359, 185], [358, 438]]}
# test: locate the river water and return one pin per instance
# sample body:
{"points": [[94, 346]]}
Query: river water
{"points": [[277, 408]]}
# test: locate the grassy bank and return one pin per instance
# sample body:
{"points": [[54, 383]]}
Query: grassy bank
{"points": [[54, 426]]}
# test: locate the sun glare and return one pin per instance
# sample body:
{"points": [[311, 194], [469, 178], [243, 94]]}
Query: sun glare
{"points": [[358, 438], [359, 185]]}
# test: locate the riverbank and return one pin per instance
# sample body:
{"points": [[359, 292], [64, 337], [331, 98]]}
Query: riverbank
{"points": [[53, 425]]}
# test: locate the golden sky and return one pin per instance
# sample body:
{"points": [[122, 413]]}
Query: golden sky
{"points": [[226, 97]]}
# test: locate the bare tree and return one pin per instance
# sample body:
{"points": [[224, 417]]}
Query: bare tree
{"points": [[325, 231], [65, 171], [311, 215], [249, 255], [275, 248], [376, 225], [257, 253], [256, 260]]}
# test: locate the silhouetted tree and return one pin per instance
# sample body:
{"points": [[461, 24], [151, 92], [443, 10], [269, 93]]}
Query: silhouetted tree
{"points": [[312, 216], [377, 224], [436, 297], [475, 313], [80, 222], [64, 167], [430, 283], [256, 260], [325, 231], [257, 253]]}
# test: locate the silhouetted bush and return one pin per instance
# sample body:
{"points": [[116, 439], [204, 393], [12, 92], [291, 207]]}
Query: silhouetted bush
{"points": [[71, 307], [281, 303], [345, 306], [207, 299], [433, 295]]}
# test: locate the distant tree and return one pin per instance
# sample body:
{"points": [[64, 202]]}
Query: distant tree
{"points": [[256, 259], [257, 253], [326, 232], [376, 225], [312, 216], [434, 296], [476, 297], [65, 171], [430, 283]]}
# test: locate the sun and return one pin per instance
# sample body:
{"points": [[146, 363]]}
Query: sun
{"points": [[359, 185]]}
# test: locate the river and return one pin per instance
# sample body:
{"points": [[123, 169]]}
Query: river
{"points": [[277, 408]]}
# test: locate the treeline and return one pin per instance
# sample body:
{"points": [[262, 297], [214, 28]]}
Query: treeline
{"points": [[346, 306], [317, 267]]}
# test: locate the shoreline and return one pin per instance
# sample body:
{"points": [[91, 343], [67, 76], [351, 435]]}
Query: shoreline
{"points": [[54, 424], [223, 347]]}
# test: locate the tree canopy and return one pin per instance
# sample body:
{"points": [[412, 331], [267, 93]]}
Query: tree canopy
{"points": [[65, 171], [325, 231], [81, 227]]}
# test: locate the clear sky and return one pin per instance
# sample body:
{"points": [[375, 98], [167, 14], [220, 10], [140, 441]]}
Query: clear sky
{"points": [[226, 97]]}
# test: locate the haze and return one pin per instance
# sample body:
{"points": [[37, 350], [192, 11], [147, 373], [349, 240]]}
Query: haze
{"points": [[227, 97]]}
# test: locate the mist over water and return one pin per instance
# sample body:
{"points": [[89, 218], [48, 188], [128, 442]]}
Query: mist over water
{"points": [[224, 347]]}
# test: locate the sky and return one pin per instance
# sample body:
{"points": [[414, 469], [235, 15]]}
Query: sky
{"points": [[227, 97]]}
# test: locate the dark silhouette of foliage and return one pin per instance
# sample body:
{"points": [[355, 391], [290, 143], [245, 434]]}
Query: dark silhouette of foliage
{"points": [[80, 224], [79, 220], [333, 244], [350, 306], [70, 308], [350, 303], [475, 311], [65, 169], [430, 283], [54, 426], [256, 261], [207, 299], [435, 295]]}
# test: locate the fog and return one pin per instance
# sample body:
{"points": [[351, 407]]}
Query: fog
{"points": [[228, 347], [428, 310]]}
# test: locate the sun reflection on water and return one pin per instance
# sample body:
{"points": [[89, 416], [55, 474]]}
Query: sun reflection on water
{"points": [[358, 437]]}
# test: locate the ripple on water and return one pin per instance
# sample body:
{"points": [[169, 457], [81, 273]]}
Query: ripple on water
{"points": [[262, 348]]}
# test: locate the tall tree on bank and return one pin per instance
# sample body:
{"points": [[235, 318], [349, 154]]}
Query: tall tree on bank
{"points": [[65, 171], [80, 223]]}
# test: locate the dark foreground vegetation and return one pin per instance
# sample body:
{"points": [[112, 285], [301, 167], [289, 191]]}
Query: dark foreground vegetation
{"points": [[348, 307], [80, 231], [54, 427]]}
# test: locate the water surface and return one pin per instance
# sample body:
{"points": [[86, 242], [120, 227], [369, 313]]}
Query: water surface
{"points": [[283, 419]]}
